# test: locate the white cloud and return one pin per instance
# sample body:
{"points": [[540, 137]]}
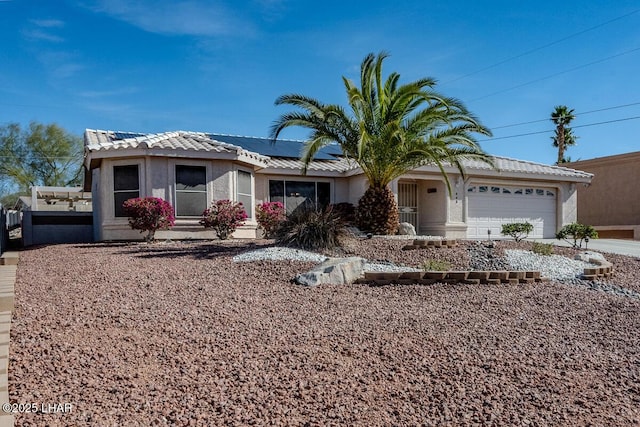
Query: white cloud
{"points": [[196, 18], [60, 65], [94, 94], [42, 35], [48, 23], [41, 30]]}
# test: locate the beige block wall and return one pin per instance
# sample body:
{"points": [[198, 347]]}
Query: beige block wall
{"points": [[612, 200]]}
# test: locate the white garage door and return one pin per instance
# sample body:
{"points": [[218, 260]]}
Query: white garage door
{"points": [[491, 206]]}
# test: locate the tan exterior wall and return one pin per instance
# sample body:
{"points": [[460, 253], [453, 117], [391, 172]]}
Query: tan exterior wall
{"points": [[612, 202], [157, 178], [438, 213], [432, 206]]}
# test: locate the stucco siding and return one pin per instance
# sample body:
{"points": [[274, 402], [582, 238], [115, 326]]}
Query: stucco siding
{"points": [[613, 198]]}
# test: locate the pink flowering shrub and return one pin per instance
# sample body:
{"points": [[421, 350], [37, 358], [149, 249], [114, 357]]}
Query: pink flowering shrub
{"points": [[269, 216], [149, 214], [224, 216]]}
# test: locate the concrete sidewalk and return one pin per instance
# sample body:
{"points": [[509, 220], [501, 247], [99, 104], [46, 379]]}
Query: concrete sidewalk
{"points": [[614, 246], [8, 266]]}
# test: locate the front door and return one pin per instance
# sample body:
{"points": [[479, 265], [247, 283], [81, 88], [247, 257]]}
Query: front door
{"points": [[408, 202]]}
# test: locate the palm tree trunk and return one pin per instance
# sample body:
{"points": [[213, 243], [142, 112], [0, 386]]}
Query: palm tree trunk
{"points": [[560, 144]]}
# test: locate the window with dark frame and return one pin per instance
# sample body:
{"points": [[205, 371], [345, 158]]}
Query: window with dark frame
{"points": [[191, 190], [294, 194], [126, 185]]}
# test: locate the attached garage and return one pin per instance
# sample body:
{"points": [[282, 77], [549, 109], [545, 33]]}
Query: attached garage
{"points": [[491, 206]]}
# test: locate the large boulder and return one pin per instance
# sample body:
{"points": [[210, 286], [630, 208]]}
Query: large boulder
{"points": [[406, 229], [592, 257], [334, 271]]}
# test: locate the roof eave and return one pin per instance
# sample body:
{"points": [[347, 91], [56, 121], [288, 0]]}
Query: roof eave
{"points": [[298, 172], [93, 155]]}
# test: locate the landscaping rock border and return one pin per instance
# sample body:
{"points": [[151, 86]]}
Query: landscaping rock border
{"points": [[451, 277], [604, 269], [423, 244]]}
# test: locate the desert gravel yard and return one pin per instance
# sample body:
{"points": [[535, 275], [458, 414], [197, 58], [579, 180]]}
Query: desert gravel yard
{"points": [[179, 334]]}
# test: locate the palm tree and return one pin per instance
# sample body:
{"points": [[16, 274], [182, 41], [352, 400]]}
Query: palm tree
{"points": [[564, 136], [390, 130]]}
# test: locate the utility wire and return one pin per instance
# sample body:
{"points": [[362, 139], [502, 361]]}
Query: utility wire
{"points": [[575, 114], [551, 130], [536, 49], [626, 52]]}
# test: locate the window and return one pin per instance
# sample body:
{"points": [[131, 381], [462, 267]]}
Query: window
{"points": [[294, 194], [191, 190], [495, 190], [244, 192], [471, 189], [506, 191], [550, 193], [126, 185], [483, 188], [528, 191], [539, 192]]}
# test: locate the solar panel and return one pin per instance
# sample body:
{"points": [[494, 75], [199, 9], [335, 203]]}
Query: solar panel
{"points": [[281, 148], [125, 135]]}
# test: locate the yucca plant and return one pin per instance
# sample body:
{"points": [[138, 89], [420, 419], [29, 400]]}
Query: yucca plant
{"points": [[311, 228]]}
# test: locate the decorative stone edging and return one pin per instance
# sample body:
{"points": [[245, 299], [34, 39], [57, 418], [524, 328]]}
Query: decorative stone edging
{"points": [[451, 277], [423, 244], [604, 269]]}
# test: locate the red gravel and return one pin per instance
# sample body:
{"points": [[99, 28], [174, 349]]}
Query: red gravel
{"points": [[178, 334]]}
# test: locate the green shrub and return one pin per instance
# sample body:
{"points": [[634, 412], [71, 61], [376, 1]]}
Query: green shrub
{"points": [[517, 230], [311, 228], [542, 248], [577, 233], [436, 265]]}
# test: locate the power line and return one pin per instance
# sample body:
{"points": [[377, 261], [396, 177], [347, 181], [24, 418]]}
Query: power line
{"points": [[576, 114], [626, 52], [528, 52], [551, 130]]}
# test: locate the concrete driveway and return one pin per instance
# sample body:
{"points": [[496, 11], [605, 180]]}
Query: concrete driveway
{"points": [[615, 246]]}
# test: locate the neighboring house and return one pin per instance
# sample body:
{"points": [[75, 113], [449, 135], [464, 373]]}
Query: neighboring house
{"points": [[64, 199], [611, 203], [191, 169], [56, 215]]}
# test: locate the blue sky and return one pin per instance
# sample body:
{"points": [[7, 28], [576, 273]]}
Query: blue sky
{"points": [[218, 66]]}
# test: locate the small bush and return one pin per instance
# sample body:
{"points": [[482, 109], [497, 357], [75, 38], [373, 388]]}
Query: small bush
{"points": [[436, 265], [149, 214], [270, 216], [517, 230], [311, 228], [224, 216], [577, 233], [542, 248]]}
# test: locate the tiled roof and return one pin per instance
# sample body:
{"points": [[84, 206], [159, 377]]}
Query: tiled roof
{"points": [[338, 165], [283, 154], [506, 164], [100, 140]]}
